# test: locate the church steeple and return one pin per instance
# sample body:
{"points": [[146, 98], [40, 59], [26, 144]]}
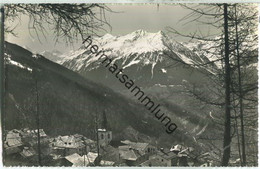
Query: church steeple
{"points": [[104, 124]]}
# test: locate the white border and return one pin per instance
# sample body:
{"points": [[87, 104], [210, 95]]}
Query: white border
{"points": [[129, 1], [149, 1]]}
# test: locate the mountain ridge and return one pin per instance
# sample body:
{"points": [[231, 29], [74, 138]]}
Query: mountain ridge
{"points": [[139, 47]]}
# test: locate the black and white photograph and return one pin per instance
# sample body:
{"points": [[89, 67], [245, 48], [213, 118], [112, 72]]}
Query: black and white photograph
{"points": [[129, 84]]}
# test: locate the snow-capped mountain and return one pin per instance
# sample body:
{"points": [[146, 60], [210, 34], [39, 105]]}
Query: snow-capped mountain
{"points": [[208, 50], [139, 47], [144, 56], [212, 50]]}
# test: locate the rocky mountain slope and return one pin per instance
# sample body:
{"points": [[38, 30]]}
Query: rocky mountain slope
{"points": [[149, 58]]}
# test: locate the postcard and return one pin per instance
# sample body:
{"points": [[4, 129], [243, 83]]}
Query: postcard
{"points": [[129, 84]]}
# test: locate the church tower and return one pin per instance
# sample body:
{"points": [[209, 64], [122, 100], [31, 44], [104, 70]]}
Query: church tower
{"points": [[104, 134]]}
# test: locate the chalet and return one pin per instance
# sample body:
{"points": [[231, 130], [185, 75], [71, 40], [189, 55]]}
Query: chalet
{"points": [[13, 143], [143, 148], [163, 158], [133, 153], [130, 157], [75, 160], [67, 145], [79, 161]]}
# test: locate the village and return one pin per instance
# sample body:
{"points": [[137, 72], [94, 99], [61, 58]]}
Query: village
{"points": [[21, 147]]}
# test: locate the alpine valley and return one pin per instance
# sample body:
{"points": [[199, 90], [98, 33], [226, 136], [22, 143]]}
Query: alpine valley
{"points": [[160, 66]]}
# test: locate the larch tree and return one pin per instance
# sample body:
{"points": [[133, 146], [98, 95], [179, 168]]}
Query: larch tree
{"points": [[234, 50]]}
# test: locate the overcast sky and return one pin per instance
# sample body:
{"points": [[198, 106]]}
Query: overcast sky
{"points": [[126, 19]]}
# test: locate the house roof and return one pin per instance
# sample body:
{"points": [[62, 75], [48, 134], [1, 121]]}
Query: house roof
{"points": [[125, 147], [13, 139], [167, 154], [28, 152], [13, 143], [128, 155], [134, 145], [184, 152], [139, 146], [12, 135], [73, 157], [84, 160], [68, 142], [131, 154], [90, 157], [188, 152], [33, 133], [126, 142], [78, 136]]}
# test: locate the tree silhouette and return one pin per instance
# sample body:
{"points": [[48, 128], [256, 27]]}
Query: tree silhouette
{"points": [[67, 21], [235, 80]]}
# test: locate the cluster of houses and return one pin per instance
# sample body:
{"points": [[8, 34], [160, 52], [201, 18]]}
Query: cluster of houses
{"points": [[22, 147]]}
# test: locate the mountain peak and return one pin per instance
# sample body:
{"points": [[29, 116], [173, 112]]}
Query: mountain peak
{"points": [[144, 34], [136, 48], [139, 32], [140, 42]]}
